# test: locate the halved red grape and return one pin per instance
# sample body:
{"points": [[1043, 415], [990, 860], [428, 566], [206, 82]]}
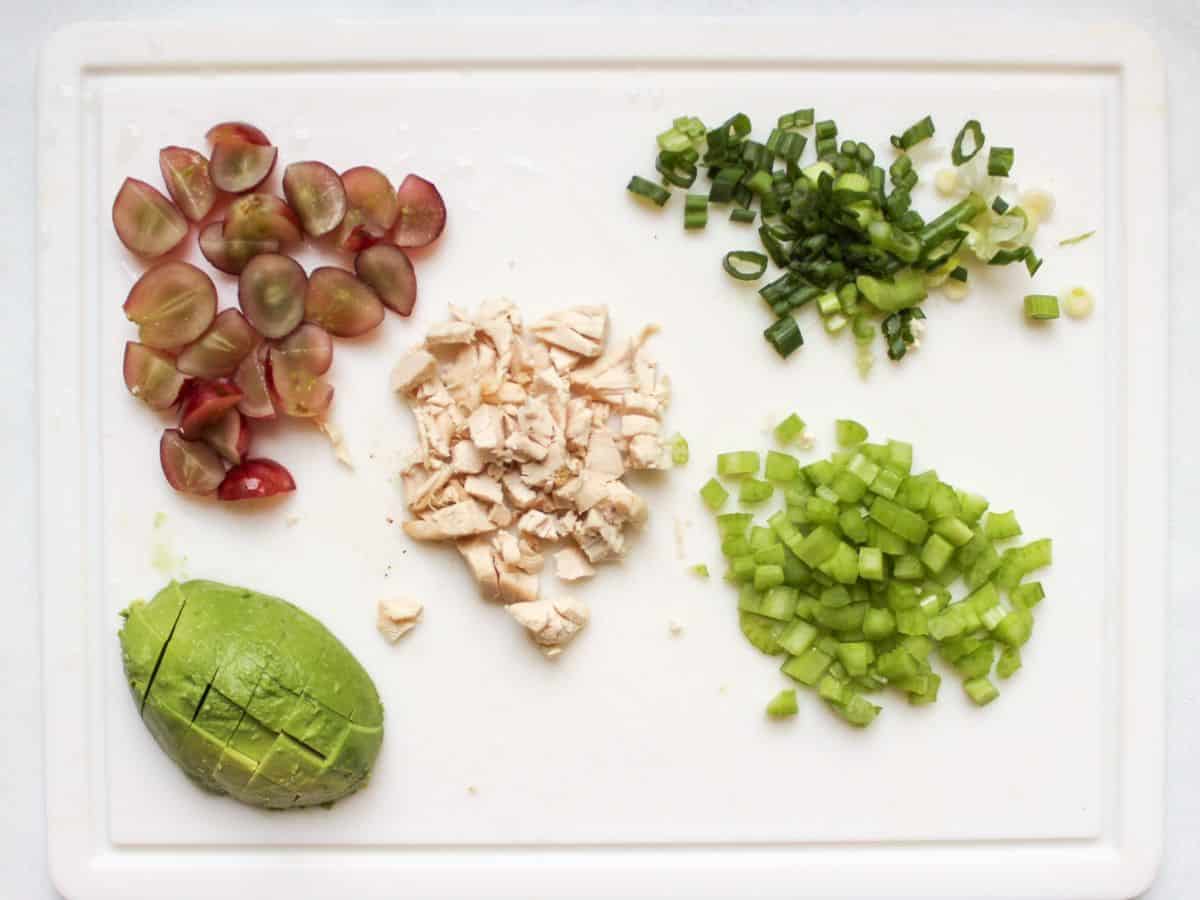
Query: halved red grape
{"points": [[340, 303], [422, 213], [315, 192], [203, 404], [172, 305], [371, 208], [389, 272], [238, 166], [151, 376], [256, 478], [302, 394], [220, 349], [229, 436], [261, 217], [251, 380], [271, 292], [190, 466], [146, 221], [185, 173], [309, 346], [236, 131], [231, 255]]}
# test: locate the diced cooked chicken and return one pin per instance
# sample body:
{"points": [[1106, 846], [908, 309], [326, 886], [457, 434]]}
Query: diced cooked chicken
{"points": [[455, 331], [520, 447], [456, 521], [414, 368], [551, 623], [477, 552], [580, 329], [483, 488], [486, 426], [571, 564], [395, 618]]}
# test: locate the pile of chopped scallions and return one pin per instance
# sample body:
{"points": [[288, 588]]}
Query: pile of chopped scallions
{"points": [[846, 241], [850, 580]]}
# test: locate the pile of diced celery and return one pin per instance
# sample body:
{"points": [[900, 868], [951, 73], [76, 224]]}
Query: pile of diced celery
{"points": [[850, 581]]}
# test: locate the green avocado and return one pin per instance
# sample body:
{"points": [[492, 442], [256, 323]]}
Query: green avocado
{"points": [[251, 696]]}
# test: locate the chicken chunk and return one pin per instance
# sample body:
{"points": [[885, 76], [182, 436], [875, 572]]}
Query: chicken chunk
{"points": [[395, 618], [414, 368], [477, 553], [459, 520], [551, 623], [571, 564]]}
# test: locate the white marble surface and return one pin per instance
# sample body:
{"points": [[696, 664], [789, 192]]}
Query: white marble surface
{"points": [[1175, 24]]}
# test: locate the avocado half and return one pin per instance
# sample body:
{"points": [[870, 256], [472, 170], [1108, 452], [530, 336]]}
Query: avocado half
{"points": [[251, 696]]}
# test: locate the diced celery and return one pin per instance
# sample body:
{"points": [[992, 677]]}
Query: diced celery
{"points": [[973, 506], [981, 691], [848, 487], [1027, 595], [870, 563], [978, 662], [916, 490], [954, 650], [767, 577], [907, 568], [795, 573], [761, 536], [877, 453], [901, 596], [735, 546], [797, 637], [808, 667], [782, 705], [993, 617], [828, 494], [862, 468], [912, 622], [752, 490], [887, 541], [789, 429], [849, 432], [1015, 628], [847, 618], [934, 602], [857, 710], [948, 575], [743, 568], [733, 523], [806, 608], [750, 599], [887, 483], [853, 526], [680, 454], [856, 657], [842, 566], [738, 462], [818, 546], [904, 522], [1010, 661], [779, 603], [832, 689], [936, 552], [828, 645], [900, 456], [714, 494], [919, 646], [761, 632], [821, 511], [878, 624], [931, 693], [953, 529], [797, 491], [985, 598], [983, 568], [973, 549], [819, 472], [835, 596], [796, 515], [999, 526], [943, 501], [781, 467], [1020, 561], [773, 555], [897, 664]]}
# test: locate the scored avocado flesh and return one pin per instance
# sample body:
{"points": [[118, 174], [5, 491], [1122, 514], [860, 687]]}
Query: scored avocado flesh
{"points": [[250, 695]]}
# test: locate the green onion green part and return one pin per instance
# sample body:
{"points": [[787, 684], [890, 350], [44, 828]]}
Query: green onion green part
{"points": [[914, 134], [1000, 161], [962, 152], [648, 190], [745, 265]]}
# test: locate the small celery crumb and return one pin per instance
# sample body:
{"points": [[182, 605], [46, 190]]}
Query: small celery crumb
{"points": [[783, 705], [700, 570]]}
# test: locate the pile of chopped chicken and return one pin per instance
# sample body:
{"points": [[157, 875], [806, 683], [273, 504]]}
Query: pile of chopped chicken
{"points": [[525, 435]]}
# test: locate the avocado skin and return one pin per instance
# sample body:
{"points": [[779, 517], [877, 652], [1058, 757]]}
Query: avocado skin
{"points": [[251, 696]]}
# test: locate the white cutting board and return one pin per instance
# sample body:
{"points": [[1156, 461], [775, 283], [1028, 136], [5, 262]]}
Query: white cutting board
{"points": [[639, 763]]}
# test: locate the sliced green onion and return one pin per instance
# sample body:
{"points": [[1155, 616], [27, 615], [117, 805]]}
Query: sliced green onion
{"points": [[744, 216], [745, 265], [760, 182], [801, 118], [1041, 306], [1079, 303], [673, 140], [1000, 161], [675, 169], [1078, 239], [960, 153], [784, 335], [648, 190], [914, 134], [958, 273], [1000, 205], [695, 211]]}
